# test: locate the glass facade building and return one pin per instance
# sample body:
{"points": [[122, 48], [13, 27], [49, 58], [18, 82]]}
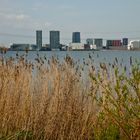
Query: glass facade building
{"points": [[89, 41], [98, 42], [76, 37], [54, 40], [39, 39], [125, 41]]}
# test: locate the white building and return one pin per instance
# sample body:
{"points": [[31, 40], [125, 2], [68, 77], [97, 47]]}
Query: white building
{"points": [[93, 47], [76, 46], [135, 44]]}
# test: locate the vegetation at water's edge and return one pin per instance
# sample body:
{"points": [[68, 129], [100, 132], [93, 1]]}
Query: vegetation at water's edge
{"points": [[49, 99]]}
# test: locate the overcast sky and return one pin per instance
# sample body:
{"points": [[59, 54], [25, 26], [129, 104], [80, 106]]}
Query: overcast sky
{"points": [[19, 19]]}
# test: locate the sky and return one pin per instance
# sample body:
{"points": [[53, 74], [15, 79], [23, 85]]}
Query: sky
{"points": [[107, 19]]}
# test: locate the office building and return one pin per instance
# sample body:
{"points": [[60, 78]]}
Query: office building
{"points": [[76, 37], [109, 43], [22, 47], [125, 41], [98, 42], [89, 41], [115, 43], [39, 39], [54, 40]]}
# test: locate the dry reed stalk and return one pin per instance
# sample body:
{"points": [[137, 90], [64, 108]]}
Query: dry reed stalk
{"points": [[53, 102]]}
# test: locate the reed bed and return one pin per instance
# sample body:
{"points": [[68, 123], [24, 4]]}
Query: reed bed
{"points": [[48, 99]]}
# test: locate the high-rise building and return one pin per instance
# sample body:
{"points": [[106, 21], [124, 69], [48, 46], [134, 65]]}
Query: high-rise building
{"points": [[89, 41], [39, 39], [54, 40], [98, 42], [76, 37]]}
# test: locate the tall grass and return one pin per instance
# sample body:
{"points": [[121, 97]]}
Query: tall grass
{"points": [[49, 99]]}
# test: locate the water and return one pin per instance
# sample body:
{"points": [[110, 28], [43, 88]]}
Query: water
{"points": [[88, 58], [106, 56]]}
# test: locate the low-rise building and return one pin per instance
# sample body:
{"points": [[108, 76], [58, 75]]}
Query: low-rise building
{"points": [[134, 45], [89, 41], [89, 47], [76, 46], [23, 47], [98, 42]]}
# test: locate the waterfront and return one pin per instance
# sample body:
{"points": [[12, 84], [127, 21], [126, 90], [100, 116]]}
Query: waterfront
{"points": [[103, 55], [43, 95]]}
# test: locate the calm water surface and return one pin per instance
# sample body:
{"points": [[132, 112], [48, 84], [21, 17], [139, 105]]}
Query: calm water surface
{"points": [[88, 58], [106, 56]]}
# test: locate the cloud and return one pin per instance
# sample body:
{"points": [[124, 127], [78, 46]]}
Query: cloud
{"points": [[22, 17], [13, 17], [39, 6], [22, 21]]}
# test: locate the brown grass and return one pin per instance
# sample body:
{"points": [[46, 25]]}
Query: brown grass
{"points": [[50, 101]]}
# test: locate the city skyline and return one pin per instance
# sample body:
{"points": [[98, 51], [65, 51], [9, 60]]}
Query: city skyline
{"points": [[93, 18]]}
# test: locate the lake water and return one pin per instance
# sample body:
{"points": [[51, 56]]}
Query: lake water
{"points": [[106, 56], [89, 58]]}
